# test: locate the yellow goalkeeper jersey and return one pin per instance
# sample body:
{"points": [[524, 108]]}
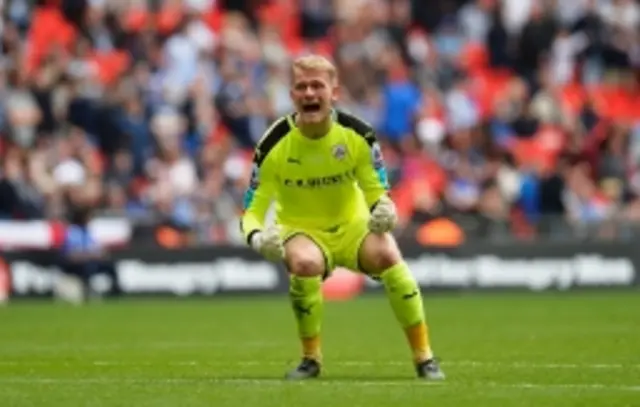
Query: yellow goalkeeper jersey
{"points": [[317, 184]]}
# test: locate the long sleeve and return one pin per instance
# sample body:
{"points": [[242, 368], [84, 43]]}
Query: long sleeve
{"points": [[262, 187], [371, 171], [258, 196]]}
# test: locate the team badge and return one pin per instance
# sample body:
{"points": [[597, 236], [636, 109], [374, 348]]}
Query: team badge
{"points": [[339, 151]]}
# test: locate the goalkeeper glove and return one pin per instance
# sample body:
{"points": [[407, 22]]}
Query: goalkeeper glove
{"points": [[383, 216], [268, 243]]}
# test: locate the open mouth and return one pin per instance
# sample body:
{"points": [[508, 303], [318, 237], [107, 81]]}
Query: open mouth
{"points": [[311, 108]]}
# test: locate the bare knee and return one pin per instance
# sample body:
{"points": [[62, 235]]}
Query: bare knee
{"points": [[378, 253], [387, 257], [304, 266], [304, 258]]}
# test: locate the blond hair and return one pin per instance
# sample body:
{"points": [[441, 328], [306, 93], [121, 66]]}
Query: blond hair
{"points": [[315, 63]]}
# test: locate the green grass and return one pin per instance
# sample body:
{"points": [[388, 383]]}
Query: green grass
{"points": [[569, 349]]}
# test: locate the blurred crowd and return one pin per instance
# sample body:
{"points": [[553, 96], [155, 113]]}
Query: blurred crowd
{"points": [[502, 117]]}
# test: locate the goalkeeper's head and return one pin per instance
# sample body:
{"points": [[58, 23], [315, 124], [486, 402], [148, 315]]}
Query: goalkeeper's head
{"points": [[314, 88]]}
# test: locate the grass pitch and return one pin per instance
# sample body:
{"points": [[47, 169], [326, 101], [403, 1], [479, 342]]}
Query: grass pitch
{"points": [[569, 349]]}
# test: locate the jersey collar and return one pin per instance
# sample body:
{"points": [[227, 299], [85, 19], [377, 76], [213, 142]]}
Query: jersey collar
{"points": [[291, 118]]}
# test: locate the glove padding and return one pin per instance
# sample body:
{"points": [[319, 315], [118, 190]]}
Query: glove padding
{"points": [[269, 243], [383, 217]]}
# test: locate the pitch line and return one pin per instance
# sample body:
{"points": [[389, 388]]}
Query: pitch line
{"points": [[321, 383], [345, 363], [58, 347]]}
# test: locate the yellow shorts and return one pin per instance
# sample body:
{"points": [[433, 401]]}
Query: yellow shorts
{"points": [[340, 245]]}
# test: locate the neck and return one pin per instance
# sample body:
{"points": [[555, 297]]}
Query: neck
{"points": [[315, 130]]}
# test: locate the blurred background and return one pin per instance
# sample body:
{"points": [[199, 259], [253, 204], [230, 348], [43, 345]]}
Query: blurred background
{"points": [[500, 119], [127, 129]]}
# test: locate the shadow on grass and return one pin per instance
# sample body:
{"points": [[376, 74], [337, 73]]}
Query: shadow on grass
{"points": [[324, 380]]}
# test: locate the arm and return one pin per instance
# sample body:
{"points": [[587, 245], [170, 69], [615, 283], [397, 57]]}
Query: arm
{"points": [[372, 177], [371, 171], [258, 196]]}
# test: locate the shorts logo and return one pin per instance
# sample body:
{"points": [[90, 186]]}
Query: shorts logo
{"points": [[376, 156], [339, 151], [255, 177]]}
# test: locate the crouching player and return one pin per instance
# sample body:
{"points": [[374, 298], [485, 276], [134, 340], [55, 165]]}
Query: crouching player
{"points": [[324, 169]]}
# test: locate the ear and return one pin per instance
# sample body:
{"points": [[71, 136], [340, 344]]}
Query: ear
{"points": [[335, 93]]}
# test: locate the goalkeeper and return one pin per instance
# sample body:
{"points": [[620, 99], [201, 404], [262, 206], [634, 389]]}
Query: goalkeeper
{"points": [[324, 169]]}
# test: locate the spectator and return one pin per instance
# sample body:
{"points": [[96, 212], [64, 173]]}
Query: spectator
{"points": [[475, 19], [504, 114], [88, 271]]}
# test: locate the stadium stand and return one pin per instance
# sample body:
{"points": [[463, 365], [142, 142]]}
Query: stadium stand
{"points": [[500, 118]]}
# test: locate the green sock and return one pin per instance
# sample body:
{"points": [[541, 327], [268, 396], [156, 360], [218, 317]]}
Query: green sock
{"points": [[406, 301], [306, 300]]}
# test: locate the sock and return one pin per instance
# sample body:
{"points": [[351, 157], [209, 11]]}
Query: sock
{"points": [[306, 300], [406, 301]]}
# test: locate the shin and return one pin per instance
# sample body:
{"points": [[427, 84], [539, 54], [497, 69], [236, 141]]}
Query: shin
{"points": [[380, 257], [306, 266]]}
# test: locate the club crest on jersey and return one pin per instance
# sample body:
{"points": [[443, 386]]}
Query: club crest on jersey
{"points": [[376, 156], [255, 177], [339, 151]]}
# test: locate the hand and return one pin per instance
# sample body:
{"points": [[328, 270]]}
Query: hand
{"points": [[269, 243], [383, 217]]}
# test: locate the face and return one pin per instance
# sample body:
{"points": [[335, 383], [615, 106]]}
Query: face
{"points": [[313, 93]]}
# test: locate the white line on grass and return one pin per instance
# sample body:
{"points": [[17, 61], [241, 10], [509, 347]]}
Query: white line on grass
{"points": [[347, 363], [61, 347], [323, 383]]}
